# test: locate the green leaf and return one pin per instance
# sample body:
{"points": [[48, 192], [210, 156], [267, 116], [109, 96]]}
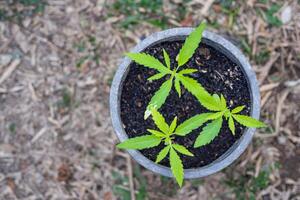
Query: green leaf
{"points": [[217, 98], [248, 121], [162, 154], [173, 125], [190, 45], [223, 102], [141, 142], [167, 59], [220, 101], [148, 61], [238, 109], [209, 132], [177, 86], [231, 125], [271, 18], [176, 166], [156, 76], [159, 121], [200, 93], [215, 115], [187, 71], [156, 133], [159, 97], [191, 124], [182, 149]]}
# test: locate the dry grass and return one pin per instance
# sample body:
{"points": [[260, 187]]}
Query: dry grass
{"points": [[56, 139]]}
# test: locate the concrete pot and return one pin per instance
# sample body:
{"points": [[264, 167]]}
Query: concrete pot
{"points": [[223, 46]]}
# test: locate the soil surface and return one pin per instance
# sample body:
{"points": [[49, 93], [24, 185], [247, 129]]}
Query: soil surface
{"points": [[217, 73]]}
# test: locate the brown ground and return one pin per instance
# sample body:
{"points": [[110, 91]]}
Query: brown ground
{"points": [[56, 139]]}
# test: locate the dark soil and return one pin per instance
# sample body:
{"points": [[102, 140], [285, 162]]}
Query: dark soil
{"points": [[217, 73]]}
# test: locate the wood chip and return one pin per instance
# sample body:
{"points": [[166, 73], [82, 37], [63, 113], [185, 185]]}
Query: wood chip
{"points": [[268, 87], [206, 7], [11, 68]]}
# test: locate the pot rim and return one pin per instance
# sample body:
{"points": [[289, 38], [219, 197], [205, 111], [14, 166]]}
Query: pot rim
{"points": [[223, 46]]}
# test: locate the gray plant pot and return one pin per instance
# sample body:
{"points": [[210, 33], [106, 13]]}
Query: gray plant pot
{"points": [[225, 47]]}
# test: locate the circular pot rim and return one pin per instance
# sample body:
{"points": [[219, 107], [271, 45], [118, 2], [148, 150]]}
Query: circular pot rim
{"points": [[223, 46]]}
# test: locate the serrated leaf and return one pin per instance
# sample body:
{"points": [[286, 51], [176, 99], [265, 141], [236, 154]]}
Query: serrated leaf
{"points": [[159, 97], [248, 121], [156, 133], [237, 109], [190, 45], [209, 132], [217, 98], [162, 154], [187, 71], [167, 59], [182, 149], [176, 166], [215, 115], [173, 125], [231, 125], [177, 86], [156, 76], [159, 121], [191, 124], [223, 102], [141, 142], [148, 61], [205, 99]]}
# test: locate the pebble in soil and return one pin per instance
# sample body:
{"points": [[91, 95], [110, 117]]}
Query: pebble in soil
{"points": [[217, 73]]}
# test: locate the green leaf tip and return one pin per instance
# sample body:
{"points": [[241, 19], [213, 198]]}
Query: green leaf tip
{"points": [[231, 125], [160, 121], [156, 133], [209, 132], [156, 76], [173, 125], [176, 166], [237, 109], [167, 59], [190, 45], [248, 121], [141, 142], [159, 97], [191, 124], [162, 154], [177, 87], [182, 149], [148, 61]]}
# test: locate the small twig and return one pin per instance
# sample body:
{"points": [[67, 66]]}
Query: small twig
{"points": [[38, 135], [267, 87], [206, 7], [258, 166], [265, 98], [278, 114], [11, 68], [292, 83], [32, 91], [265, 70], [129, 166]]}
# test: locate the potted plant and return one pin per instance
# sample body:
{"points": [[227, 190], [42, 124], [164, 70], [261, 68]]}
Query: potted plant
{"points": [[184, 102]]}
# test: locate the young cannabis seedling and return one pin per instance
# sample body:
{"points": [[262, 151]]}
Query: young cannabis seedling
{"points": [[166, 135], [177, 77], [212, 129]]}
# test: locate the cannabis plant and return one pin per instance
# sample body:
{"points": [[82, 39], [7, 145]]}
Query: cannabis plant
{"points": [[212, 129], [166, 134], [176, 76], [215, 104]]}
